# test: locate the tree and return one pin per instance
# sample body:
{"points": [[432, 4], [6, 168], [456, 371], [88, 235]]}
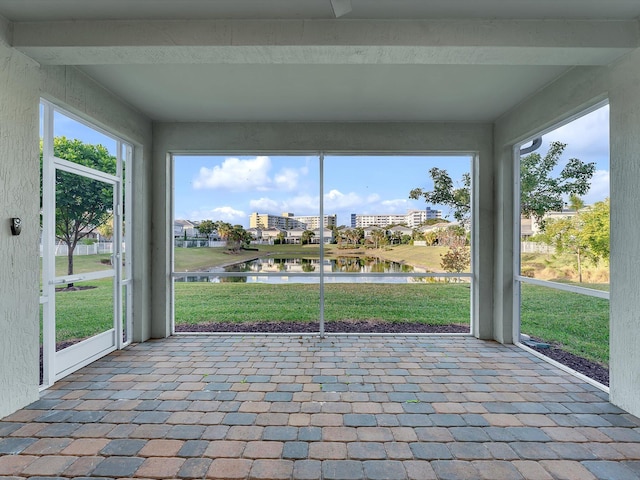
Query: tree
{"points": [[224, 230], [379, 237], [206, 227], [306, 237], [564, 234], [457, 259], [444, 193], [586, 234], [596, 229], [235, 235], [540, 190], [106, 229], [82, 204], [431, 237], [575, 203], [353, 235]]}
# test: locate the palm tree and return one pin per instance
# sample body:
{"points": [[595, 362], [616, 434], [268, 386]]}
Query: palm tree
{"points": [[306, 237], [379, 237], [224, 230]]}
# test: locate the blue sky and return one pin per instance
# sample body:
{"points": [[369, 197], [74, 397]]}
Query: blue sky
{"points": [[231, 187]]}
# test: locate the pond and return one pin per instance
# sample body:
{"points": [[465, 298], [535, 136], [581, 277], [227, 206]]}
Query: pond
{"points": [[298, 267]]}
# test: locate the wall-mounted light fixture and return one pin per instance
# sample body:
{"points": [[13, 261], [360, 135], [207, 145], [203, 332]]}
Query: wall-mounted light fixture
{"points": [[16, 226]]}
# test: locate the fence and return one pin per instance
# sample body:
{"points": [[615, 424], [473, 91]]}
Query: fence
{"points": [[535, 247], [180, 243], [62, 250]]}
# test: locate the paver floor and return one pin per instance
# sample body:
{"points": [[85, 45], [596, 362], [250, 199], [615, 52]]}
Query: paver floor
{"points": [[343, 407]]}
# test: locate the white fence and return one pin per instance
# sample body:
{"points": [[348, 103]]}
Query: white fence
{"points": [[178, 243], [535, 247], [62, 250]]}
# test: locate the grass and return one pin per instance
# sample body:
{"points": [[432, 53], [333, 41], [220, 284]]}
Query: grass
{"points": [[84, 313], [426, 257], [82, 264], [241, 302], [578, 323], [563, 268]]}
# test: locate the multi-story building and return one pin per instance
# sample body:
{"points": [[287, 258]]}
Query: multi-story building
{"points": [[312, 222], [411, 219], [288, 221]]}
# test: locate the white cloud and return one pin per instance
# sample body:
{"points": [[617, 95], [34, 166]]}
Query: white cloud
{"points": [[227, 214], [265, 205], [239, 175], [599, 187], [399, 205], [336, 200], [287, 179], [309, 204], [235, 174], [302, 205]]}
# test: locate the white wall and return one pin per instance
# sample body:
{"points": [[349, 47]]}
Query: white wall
{"points": [[330, 137], [575, 91], [19, 197]]}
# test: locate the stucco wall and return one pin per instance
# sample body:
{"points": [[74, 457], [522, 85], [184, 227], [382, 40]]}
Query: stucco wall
{"points": [[19, 197], [330, 137], [578, 89]]}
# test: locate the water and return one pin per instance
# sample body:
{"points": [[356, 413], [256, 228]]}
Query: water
{"points": [[307, 270]]}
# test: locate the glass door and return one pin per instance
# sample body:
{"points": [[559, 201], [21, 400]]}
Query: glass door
{"points": [[84, 280]]}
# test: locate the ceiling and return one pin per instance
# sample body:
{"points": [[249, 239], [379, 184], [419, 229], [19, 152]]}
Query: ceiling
{"points": [[292, 60], [54, 10]]}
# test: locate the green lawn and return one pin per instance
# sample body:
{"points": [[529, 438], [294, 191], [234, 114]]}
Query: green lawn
{"points": [[241, 302], [84, 313], [580, 324]]}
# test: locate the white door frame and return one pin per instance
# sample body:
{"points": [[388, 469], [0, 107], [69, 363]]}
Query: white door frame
{"points": [[57, 365]]}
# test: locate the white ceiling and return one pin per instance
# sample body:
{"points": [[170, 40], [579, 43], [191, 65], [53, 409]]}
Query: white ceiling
{"points": [[446, 61], [322, 92]]}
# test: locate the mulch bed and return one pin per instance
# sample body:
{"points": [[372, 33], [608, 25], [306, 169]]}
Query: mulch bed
{"points": [[588, 368], [360, 326]]}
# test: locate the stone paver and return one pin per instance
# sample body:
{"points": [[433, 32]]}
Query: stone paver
{"points": [[279, 407]]}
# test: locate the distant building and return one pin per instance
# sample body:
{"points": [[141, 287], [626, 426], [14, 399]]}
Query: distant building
{"points": [[529, 227], [180, 227], [312, 222], [411, 219], [288, 221]]}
